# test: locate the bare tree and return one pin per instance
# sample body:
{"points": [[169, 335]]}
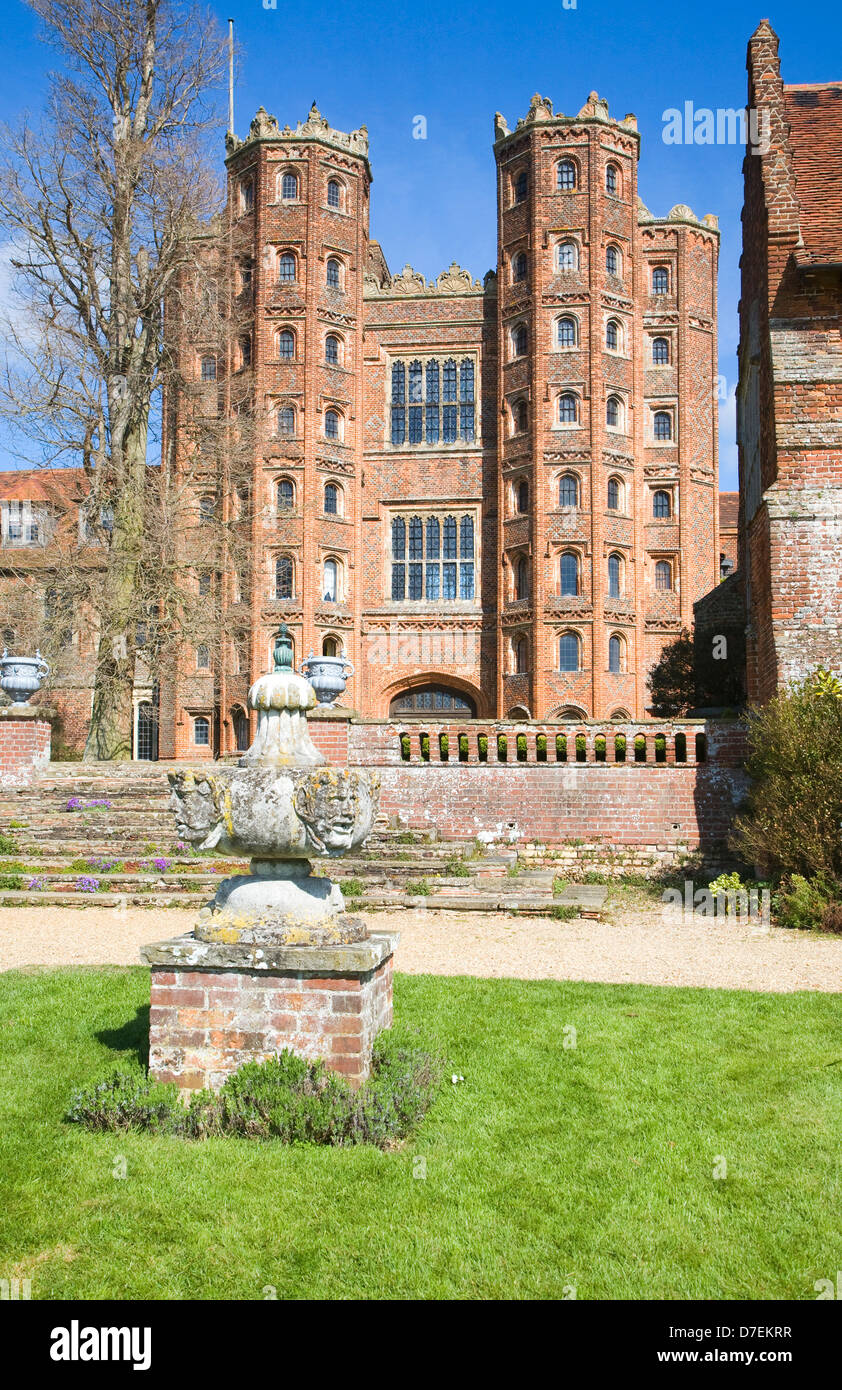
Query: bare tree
{"points": [[102, 203]]}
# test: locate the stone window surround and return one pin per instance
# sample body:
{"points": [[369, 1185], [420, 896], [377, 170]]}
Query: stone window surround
{"points": [[425, 356]]}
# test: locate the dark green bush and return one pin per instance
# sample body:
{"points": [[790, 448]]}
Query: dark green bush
{"points": [[790, 821], [8, 844], [405, 747], [285, 1098], [11, 881], [352, 887]]}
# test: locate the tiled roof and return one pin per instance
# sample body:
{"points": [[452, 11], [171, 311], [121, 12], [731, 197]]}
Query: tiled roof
{"points": [[56, 485], [729, 510], [814, 113]]}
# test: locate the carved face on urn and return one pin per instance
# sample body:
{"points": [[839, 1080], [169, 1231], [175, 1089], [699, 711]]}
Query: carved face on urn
{"points": [[193, 802], [338, 808]]}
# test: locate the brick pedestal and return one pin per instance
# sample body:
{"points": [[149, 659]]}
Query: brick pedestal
{"points": [[216, 1006], [24, 743]]}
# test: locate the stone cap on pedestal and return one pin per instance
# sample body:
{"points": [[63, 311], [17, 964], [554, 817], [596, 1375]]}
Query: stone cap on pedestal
{"points": [[353, 958]]}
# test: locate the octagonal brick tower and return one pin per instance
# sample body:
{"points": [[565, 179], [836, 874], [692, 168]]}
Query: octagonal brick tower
{"points": [[298, 202], [607, 340]]}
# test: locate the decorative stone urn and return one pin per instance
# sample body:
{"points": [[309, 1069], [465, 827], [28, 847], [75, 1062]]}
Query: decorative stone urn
{"points": [[21, 676], [274, 960], [328, 676]]}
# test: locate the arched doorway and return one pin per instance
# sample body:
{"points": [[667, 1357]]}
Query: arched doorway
{"points": [[432, 702], [240, 721], [146, 748]]}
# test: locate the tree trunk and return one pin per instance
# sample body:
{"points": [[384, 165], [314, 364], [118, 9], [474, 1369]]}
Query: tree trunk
{"points": [[112, 717]]}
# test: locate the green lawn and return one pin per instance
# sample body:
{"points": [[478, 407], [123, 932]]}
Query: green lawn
{"points": [[548, 1167]]}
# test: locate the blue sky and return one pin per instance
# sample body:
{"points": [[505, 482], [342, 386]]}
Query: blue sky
{"points": [[433, 200]]}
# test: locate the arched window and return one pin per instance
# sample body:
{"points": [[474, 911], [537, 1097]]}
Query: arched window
{"points": [[615, 655], [613, 261], [567, 255], [334, 274], [520, 655], [566, 335], [521, 186], [332, 350], [334, 194], [567, 409], [331, 646], [520, 340], [520, 416], [522, 577], [331, 581], [663, 575], [522, 496], [283, 577], [332, 426], [566, 175], [613, 495], [660, 351], [286, 266], [569, 573], [286, 343], [661, 504], [613, 337], [662, 424], [201, 731], [568, 490], [289, 187], [568, 652], [615, 571], [613, 412], [207, 509], [202, 657], [519, 267], [612, 180], [331, 499], [208, 369], [286, 420], [660, 280], [286, 495], [246, 195], [240, 721]]}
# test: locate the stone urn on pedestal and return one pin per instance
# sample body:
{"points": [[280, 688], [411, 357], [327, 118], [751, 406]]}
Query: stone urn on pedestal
{"points": [[274, 961]]}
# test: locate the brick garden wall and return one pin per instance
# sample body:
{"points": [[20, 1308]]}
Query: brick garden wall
{"points": [[553, 782]]}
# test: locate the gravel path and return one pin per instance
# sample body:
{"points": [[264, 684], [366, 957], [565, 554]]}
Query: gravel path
{"points": [[642, 946]]}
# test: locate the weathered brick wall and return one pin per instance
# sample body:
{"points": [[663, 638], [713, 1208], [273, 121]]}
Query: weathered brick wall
{"points": [[557, 782], [24, 746], [790, 389]]}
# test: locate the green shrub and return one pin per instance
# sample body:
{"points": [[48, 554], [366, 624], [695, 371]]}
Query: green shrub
{"points": [[285, 1098], [482, 746], [8, 844], [463, 748], [502, 747], [444, 747], [455, 868], [17, 824], [352, 887], [520, 742], [405, 747], [11, 881], [564, 912], [425, 747], [419, 888], [801, 903], [790, 821], [541, 748], [581, 748], [559, 885], [125, 1101]]}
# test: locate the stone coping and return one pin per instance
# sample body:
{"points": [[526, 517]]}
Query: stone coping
{"points": [[356, 958], [22, 711]]}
